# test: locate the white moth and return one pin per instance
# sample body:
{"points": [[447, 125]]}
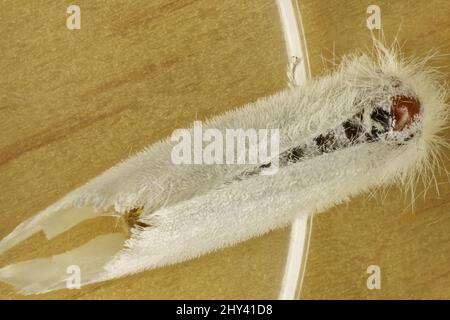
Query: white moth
{"points": [[372, 122]]}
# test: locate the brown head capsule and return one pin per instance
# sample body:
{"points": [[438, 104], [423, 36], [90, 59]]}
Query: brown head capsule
{"points": [[404, 109]]}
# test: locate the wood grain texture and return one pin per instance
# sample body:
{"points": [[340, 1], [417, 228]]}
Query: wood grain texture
{"points": [[74, 103], [411, 246]]}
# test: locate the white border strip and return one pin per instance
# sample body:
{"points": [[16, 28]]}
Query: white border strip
{"points": [[299, 241]]}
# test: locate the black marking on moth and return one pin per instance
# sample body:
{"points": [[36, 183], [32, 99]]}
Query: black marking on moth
{"points": [[350, 132]]}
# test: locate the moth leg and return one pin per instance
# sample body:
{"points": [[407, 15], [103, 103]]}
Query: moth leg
{"points": [[291, 68], [131, 219]]}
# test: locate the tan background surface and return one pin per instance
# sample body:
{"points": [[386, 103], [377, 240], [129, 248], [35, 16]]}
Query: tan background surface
{"points": [[74, 103]]}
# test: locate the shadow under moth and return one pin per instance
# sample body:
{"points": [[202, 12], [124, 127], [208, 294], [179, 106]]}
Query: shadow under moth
{"points": [[374, 121]]}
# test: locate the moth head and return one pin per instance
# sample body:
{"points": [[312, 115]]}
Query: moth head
{"points": [[405, 111], [396, 111]]}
